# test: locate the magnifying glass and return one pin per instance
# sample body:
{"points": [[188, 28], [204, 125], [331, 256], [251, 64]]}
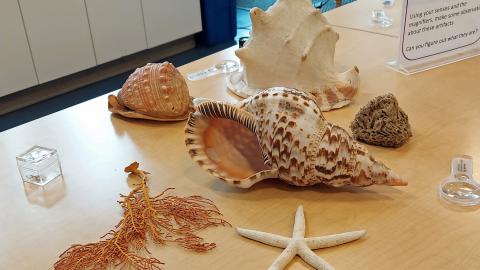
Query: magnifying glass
{"points": [[225, 66], [460, 187]]}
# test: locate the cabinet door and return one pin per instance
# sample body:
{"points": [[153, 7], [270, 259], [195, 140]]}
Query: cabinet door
{"points": [[16, 66], [167, 20], [117, 28], [59, 37]]}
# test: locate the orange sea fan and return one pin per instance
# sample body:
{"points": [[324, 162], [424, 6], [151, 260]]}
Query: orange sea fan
{"points": [[162, 218]]}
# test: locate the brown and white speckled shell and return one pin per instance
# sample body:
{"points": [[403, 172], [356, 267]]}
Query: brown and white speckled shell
{"points": [[279, 133], [155, 92], [292, 45]]}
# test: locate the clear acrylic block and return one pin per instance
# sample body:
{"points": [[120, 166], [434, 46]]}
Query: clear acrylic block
{"points": [[39, 165]]}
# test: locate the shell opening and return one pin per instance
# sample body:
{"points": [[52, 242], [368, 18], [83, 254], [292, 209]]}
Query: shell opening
{"points": [[224, 147]]}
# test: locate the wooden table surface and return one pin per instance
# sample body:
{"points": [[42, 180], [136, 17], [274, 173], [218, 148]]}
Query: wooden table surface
{"points": [[408, 227], [357, 14]]}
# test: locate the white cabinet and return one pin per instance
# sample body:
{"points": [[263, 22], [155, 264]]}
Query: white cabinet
{"points": [[16, 67], [59, 37], [43, 40], [117, 28], [168, 20]]}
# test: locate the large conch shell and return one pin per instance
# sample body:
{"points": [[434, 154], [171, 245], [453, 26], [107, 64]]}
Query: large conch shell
{"points": [[279, 133], [291, 45], [154, 92]]}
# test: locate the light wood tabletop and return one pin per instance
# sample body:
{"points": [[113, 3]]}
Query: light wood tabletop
{"points": [[357, 14], [407, 227]]}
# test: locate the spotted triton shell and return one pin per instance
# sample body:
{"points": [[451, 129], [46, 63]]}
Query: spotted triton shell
{"points": [[279, 133], [155, 92]]}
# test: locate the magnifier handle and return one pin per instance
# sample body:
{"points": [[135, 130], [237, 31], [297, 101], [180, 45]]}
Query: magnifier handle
{"points": [[223, 67], [202, 74], [462, 165]]}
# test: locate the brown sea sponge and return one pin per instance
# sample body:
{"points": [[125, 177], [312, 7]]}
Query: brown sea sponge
{"points": [[382, 122]]}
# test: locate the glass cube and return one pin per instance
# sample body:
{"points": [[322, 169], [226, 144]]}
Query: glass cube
{"points": [[39, 165]]}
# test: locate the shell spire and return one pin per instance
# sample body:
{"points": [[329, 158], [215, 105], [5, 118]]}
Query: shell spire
{"points": [[258, 17], [279, 133], [292, 45], [347, 162]]}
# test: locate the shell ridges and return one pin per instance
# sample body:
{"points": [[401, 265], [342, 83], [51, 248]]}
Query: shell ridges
{"points": [[291, 139], [155, 92], [292, 45]]}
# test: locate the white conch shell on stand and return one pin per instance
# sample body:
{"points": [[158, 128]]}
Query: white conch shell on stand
{"points": [[291, 45], [279, 133]]}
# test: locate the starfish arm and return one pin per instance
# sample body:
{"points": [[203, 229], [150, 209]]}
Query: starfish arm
{"points": [[299, 225], [334, 239], [312, 259], [287, 255], [266, 238]]}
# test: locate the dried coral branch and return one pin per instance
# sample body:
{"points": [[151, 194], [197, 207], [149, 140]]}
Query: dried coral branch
{"points": [[162, 218]]}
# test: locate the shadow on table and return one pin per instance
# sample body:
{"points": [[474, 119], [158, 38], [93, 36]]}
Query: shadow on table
{"points": [[317, 192], [120, 129], [48, 195], [455, 207]]}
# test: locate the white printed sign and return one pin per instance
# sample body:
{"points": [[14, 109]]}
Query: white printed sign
{"points": [[436, 29]]}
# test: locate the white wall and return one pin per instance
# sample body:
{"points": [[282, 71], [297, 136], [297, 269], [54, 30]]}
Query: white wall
{"points": [[167, 20], [117, 28], [42, 40], [16, 66], [59, 37]]}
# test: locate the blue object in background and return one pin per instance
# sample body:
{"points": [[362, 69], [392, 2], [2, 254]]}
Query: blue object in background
{"points": [[219, 21]]}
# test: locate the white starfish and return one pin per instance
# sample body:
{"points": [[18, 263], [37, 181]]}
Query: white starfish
{"points": [[299, 245]]}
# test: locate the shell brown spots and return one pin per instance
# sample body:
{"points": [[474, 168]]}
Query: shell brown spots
{"points": [[299, 149]]}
